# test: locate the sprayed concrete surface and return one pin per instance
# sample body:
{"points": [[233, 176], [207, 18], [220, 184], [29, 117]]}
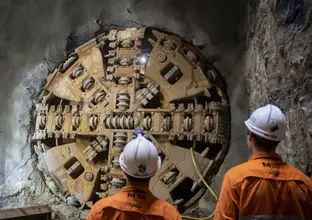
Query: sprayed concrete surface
{"points": [[35, 35]]}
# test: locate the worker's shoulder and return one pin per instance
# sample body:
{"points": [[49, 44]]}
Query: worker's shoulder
{"points": [[252, 168], [103, 203], [295, 174], [255, 169], [166, 207], [165, 204], [238, 173]]}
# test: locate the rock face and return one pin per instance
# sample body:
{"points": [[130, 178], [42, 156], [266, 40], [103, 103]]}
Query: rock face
{"points": [[278, 70]]}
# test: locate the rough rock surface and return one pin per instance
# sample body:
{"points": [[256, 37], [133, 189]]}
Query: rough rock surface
{"points": [[35, 35], [278, 69], [18, 168]]}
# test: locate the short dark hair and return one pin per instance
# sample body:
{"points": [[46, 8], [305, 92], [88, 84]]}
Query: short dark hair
{"points": [[264, 144], [137, 180]]}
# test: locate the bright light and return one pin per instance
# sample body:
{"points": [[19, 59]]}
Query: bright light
{"points": [[143, 59]]}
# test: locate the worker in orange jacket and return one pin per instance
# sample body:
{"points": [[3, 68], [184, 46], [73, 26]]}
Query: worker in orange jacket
{"points": [[265, 187], [139, 161]]}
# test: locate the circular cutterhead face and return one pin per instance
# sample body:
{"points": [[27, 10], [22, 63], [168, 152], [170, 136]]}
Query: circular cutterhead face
{"points": [[125, 80]]}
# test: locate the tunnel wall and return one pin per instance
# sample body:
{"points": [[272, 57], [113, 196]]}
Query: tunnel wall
{"points": [[278, 70], [34, 39]]}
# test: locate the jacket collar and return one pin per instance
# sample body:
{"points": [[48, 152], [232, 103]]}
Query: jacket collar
{"points": [[136, 188], [261, 155]]}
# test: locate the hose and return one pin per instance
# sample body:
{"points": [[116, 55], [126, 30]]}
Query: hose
{"points": [[205, 183]]}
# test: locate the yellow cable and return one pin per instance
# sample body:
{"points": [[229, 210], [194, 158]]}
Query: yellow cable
{"points": [[201, 176], [205, 183]]}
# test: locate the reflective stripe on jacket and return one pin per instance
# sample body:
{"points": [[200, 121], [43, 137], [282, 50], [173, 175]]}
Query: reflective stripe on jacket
{"points": [[265, 188], [134, 202]]}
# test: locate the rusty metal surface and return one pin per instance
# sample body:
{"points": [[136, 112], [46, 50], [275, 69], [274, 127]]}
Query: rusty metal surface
{"points": [[122, 80], [36, 212]]}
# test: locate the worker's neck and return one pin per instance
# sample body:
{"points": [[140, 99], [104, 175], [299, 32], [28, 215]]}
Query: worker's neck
{"points": [[256, 150], [133, 183]]}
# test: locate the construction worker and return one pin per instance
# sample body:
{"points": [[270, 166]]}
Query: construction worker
{"points": [[139, 161], [265, 187]]}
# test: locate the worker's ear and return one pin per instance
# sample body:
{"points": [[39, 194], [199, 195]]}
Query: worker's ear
{"points": [[250, 137]]}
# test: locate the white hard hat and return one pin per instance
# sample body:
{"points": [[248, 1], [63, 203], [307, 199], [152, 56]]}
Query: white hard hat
{"points": [[140, 158], [268, 122]]}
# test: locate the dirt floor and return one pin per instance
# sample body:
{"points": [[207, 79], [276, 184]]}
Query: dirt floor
{"points": [[259, 49]]}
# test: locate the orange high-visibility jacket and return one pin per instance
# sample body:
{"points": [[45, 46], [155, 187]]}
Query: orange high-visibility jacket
{"points": [[134, 202], [265, 188]]}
